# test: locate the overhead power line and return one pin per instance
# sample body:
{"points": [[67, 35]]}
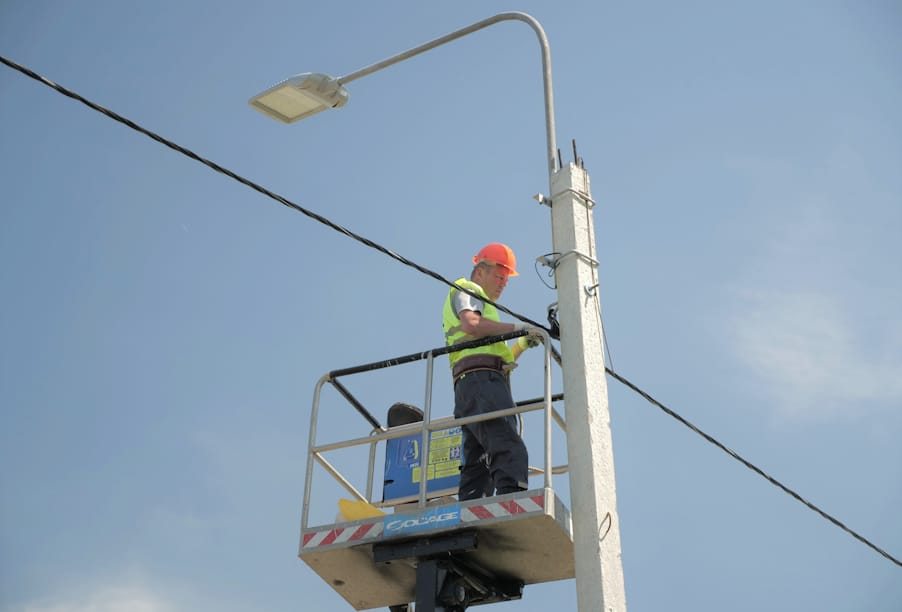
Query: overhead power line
{"points": [[285, 202], [256, 187], [753, 467]]}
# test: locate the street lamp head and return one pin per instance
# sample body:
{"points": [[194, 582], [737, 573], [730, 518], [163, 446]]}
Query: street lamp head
{"points": [[300, 96]]}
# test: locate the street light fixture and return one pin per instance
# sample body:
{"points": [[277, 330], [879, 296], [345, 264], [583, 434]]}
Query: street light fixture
{"points": [[596, 525], [300, 97]]}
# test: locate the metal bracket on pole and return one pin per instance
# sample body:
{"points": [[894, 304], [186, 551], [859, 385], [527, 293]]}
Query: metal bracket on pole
{"points": [[553, 262], [590, 260], [585, 198]]}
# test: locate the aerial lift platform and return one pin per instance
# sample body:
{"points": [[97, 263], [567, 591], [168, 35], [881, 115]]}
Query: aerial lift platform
{"points": [[419, 543]]}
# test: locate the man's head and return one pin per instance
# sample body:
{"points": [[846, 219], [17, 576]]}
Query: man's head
{"points": [[495, 263]]}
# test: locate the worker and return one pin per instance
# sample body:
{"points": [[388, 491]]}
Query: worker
{"points": [[494, 455]]}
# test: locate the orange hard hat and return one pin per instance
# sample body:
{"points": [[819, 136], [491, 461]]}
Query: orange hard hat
{"points": [[498, 254]]}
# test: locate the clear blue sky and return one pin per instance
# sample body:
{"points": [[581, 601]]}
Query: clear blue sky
{"points": [[163, 326]]}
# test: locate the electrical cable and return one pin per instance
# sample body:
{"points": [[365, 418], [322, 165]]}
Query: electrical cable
{"points": [[367, 242], [547, 259], [604, 334], [752, 467], [260, 189], [594, 256]]}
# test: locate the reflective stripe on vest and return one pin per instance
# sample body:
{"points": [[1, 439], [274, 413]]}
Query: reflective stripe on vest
{"points": [[454, 334]]}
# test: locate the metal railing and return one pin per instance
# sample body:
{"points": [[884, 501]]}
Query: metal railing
{"points": [[315, 451]]}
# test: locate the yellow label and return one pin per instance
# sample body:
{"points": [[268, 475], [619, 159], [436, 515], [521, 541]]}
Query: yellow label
{"points": [[444, 455], [441, 470], [451, 468], [439, 455], [446, 442]]}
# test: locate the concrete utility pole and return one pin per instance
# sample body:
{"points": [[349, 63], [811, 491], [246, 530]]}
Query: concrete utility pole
{"points": [[593, 497], [599, 572]]}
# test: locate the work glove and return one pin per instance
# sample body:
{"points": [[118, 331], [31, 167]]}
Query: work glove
{"points": [[532, 339], [528, 342]]}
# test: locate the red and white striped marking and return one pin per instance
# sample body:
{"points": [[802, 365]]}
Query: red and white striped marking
{"points": [[535, 503], [468, 514], [340, 535]]}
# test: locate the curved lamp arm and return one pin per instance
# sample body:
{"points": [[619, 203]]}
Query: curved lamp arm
{"points": [[479, 25]]}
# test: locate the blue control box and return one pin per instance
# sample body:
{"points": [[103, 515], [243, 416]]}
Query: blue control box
{"points": [[403, 466]]}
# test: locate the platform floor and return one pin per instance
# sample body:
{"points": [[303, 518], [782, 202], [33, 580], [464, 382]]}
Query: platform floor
{"points": [[526, 535]]}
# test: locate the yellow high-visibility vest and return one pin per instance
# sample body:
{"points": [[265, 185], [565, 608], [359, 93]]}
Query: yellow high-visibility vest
{"points": [[455, 335]]}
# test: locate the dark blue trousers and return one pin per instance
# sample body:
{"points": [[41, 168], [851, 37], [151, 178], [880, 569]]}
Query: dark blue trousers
{"points": [[494, 456]]}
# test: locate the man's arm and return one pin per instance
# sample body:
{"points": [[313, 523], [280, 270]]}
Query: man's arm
{"points": [[474, 324]]}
